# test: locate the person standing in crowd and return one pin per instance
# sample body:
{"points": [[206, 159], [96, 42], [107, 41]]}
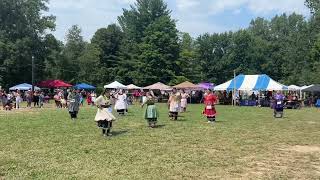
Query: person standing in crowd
{"points": [[8, 104], [174, 104], [93, 98], [36, 99], [136, 95], [29, 98], [210, 111], [74, 104], [89, 99], [278, 102], [63, 103], [57, 100], [4, 99], [151, 114], [18, 99], [184, 101], [41, 99], [143, 97], [82, 96], [121, 102], [64, 96], [104, 118]]}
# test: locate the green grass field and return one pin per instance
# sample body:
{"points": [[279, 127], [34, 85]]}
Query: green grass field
{"points": [[245, 143]]}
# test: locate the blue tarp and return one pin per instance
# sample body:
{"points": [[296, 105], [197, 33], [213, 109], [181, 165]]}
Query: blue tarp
{"points": [[23, 87], [84, 86]]}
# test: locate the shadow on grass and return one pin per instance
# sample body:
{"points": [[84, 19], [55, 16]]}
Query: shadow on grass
{"points": [[119, 133], [219, 121], [160, 126]]}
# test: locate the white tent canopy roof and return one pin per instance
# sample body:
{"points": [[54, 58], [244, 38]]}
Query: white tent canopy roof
{"points": [[251, 83], [158, 86], [294, 88], [222, 87], [23, 87], [115, 85], [132, 86]]}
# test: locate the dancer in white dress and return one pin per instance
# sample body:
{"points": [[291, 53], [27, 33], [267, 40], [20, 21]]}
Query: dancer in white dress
{"points": [[184, 101], [121, 102], [104, 118]]}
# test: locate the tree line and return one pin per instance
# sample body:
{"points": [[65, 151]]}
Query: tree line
{"points": [[145, 47]]}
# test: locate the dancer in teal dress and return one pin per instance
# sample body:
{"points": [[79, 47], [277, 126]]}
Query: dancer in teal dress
{"points": [[151, 114]]}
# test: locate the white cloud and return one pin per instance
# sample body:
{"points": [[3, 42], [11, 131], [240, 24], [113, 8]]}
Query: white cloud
{"points": [[88, 14], [194, 16], [288, 6], [259, 7], [186, 4]]}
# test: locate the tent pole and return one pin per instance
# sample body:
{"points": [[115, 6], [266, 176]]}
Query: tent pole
{"points": [[32, 73], [234, 88]]}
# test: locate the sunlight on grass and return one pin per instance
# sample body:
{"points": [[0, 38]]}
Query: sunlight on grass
{"points": [[244, 143]]}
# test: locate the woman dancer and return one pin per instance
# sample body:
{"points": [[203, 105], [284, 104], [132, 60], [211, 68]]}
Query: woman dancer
{"points": [[174, 104], [18, 99], [184, 101], [74, 104], [121, 102], [151, 113], [210, 111], [103, 117]]}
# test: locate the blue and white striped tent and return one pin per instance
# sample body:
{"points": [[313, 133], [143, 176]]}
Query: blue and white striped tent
{"points": [[251, 83]]}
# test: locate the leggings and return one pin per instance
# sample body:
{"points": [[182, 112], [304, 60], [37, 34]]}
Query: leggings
{"points": [[36, 103], [121, 111], [106, 126], [174, 115], [73, 114], [211, 119], [17, 104]]}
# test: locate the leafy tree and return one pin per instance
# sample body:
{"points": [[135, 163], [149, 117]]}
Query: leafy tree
{"points": [[109, 41], [89, 63], [190, 68], [314, 5], [23, 27], [73, 50], [153, 38]]}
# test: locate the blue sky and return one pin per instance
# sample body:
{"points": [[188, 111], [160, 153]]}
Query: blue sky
{"points": [[194, 16]]}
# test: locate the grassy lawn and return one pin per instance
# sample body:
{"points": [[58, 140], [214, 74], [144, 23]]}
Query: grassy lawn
{"points": [[245, 143]]}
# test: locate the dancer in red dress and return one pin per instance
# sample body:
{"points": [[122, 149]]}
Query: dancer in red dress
{"points": [[210, 111]]}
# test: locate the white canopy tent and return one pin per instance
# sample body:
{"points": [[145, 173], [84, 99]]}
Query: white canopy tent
{"points": [[115, 85], [251, 83], [23, 87], [223, 87], [159, 86], [132, 86], [294, 88]]}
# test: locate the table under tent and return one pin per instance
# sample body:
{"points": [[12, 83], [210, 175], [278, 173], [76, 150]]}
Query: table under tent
{"points": [[248, 90]]}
